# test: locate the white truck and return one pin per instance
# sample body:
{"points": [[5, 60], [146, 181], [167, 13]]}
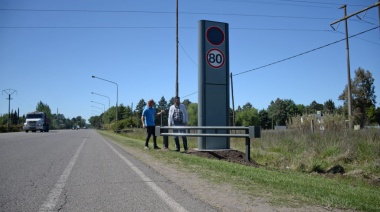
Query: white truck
{"points": [[36, 121]]}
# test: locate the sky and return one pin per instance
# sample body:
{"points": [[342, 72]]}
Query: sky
{"points": [[49, 50]]}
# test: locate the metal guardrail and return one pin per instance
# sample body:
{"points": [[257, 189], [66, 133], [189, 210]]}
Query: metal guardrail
{"points": [[250, 133]]}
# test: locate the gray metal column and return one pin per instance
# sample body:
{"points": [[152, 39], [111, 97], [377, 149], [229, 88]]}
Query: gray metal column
{"points": [[213, 82]]}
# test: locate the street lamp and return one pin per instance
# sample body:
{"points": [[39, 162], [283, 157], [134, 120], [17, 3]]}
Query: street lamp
{"points": [[103, 111], [104, 106], [108, 106], [97, 107], [117, 96], [103, 96], [96, 120]]}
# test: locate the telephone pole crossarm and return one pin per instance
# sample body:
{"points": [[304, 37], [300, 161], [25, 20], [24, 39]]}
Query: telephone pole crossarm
{"points": [[349, 16]]}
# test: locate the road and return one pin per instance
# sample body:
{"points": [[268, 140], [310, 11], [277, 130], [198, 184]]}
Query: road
{"points": [[78, 170]]}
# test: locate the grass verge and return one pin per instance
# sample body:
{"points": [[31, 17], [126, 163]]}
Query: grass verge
{"points": [[283, 187]]}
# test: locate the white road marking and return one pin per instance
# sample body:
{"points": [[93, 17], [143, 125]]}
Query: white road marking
{"points": [[52, 198], [161, 193]]}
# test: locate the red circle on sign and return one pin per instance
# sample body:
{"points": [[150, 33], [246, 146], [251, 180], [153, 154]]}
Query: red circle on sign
{"points": [[215, 58], [215, 35]]}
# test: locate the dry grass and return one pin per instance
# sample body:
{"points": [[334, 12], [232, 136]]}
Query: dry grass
{"points": [[358, 152], [355, 151]]}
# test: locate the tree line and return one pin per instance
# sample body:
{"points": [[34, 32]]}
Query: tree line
{"points": [[278, 112], [57, 121]]}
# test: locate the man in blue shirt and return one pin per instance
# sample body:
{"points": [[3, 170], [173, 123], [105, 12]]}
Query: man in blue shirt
{"points": [[148, 119]]}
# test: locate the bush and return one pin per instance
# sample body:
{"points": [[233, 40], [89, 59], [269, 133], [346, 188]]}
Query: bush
{"points": [[125, 123], [12, 128], [3, 128]]}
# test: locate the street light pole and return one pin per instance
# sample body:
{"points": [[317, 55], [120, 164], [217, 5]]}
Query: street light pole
{"points": [[108, 106], [94, 112], [100, 114], [104, 106], [98, 108], [103, 96], [117, 96]]}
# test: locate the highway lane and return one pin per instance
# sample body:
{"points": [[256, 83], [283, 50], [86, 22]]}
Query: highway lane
{"points": [[78, 170]]}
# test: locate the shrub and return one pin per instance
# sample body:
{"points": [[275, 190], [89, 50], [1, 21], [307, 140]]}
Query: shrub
{"points": [[3, 128], [12, 128]]}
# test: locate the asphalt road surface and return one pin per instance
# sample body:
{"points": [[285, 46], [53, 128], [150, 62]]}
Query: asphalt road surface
{"points": [[78, 170]]}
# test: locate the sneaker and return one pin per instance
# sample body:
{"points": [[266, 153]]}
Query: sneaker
{"points": [[156, 147], [146, 147]]}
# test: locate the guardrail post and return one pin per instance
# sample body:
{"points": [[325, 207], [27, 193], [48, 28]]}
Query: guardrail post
{"points": [[166, 139], [247, 147], [157, 131]]}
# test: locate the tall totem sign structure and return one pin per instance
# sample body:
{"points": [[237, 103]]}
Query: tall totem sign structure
{"points": [[213, 82]]}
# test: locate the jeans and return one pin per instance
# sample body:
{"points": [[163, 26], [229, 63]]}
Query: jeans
{"points": [[151, 131], [176, 139]]}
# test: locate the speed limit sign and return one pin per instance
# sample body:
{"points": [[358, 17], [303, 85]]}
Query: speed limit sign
{"points": [[215, 58], [213, 81]]}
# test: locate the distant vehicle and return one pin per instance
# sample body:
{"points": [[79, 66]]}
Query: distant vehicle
{"points": [[36, 121]]}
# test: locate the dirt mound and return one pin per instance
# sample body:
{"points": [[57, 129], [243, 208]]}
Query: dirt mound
{"points": [[233, 156]]}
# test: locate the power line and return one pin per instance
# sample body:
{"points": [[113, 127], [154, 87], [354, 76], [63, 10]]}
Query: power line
{"points": [[318, 2], [279, 61], [367, 22], [165, 12], [255, 15], [283, 29], [361, 38], [187, 54], [83, 10], [305, 52], [284, 4], [85, 27], [157, 27], [189, 94]]}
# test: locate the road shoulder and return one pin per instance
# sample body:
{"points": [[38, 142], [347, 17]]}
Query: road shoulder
{"points": [[223, 197]]}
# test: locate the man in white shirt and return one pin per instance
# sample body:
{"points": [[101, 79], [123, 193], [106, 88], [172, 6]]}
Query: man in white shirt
{"points": [[178, 117]]}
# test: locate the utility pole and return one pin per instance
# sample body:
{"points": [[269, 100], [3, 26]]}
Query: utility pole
{"points": [[345, 18], [176, 73], [57, 120], [349, 95], [9, 92], [233, 101]]}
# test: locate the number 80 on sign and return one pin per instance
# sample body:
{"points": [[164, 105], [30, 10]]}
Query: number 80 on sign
{"points": [[215, 58]]}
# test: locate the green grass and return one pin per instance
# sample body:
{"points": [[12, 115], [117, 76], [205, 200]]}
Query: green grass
{"points": [[283, 181]]}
